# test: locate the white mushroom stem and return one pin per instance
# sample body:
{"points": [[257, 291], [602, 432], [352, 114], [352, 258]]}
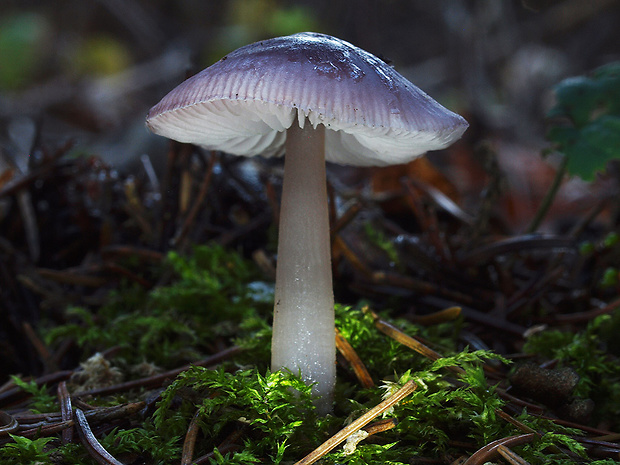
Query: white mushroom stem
{"points": [[303, 324]]}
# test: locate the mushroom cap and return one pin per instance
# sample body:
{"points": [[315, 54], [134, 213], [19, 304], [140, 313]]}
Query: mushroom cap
{"points": [[244, 103]]}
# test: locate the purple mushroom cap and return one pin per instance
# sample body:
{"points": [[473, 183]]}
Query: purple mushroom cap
{"points": [[244, 103]]}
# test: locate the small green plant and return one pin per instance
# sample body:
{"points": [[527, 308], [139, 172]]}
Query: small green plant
{"points": [[584, 127], [24, 450], [42, 401], [379, 239], [586, 120]]}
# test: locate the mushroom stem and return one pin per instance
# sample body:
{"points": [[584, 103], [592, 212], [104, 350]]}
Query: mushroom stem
{"points": [[303, 323]]}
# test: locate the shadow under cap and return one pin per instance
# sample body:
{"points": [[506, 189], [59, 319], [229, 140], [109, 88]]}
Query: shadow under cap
{"points": [[244, 103]]}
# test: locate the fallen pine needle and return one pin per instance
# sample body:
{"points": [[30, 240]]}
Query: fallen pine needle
{"points": [[406, 340], [90, 442], [362, 421], [354, 360]]}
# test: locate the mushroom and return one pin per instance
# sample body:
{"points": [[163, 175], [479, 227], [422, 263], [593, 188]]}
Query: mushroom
{"points": [[316, 98]]}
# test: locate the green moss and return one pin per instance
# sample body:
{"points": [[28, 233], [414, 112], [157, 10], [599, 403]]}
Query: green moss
{"points": [[209, 297], [274, 410], [216, 296], [383, 355], [593, 354]]}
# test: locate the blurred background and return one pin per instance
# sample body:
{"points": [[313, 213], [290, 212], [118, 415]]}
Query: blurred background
{"points": [[91, 202], [91, 70], [84, 185]]}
